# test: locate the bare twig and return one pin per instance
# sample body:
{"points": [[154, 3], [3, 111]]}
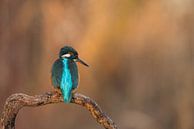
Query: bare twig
{"points": [[16, 101]]}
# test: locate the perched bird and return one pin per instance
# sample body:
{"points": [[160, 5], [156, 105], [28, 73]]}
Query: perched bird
{"points": [[65, 72]]}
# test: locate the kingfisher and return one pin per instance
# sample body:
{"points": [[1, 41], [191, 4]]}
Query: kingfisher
{"points": [[65, 72]]}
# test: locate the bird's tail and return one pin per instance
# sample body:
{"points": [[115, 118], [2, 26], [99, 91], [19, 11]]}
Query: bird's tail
{"points": [[67, 95]]}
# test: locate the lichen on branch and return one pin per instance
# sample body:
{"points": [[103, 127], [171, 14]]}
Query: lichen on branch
{"points": [[19, 100]]}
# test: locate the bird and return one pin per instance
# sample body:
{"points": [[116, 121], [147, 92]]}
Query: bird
{"points": [[64, 73]]}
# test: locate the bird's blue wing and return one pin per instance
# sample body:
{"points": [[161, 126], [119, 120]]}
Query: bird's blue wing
{"points": [[57, 70], [74, 72]]}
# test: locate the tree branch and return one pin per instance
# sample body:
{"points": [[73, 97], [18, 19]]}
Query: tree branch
{"points": [[17, 101]]}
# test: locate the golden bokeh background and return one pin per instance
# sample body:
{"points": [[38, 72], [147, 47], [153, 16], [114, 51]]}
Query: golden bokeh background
{"points": [[140, 52]]}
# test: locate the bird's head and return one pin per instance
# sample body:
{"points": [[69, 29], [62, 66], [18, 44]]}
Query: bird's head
{"points": [[71, 54]]}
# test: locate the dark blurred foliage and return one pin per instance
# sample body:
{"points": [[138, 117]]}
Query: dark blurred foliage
{"points": [[140, 52]]}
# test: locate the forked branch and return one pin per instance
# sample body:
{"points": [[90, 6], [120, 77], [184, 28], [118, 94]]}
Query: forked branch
{"points": [[17, 101]]}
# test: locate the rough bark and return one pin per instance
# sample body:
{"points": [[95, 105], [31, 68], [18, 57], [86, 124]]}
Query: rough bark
{"points": [[17, 101]]}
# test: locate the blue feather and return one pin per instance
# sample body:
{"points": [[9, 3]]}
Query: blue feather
{"points": [[66, 82], [65, 77], [57, 70], [74, 73]]}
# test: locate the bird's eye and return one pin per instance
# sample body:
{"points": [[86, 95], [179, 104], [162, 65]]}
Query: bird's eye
{"points": [[66, 55]]}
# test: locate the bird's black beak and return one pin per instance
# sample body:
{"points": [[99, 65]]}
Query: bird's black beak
{"points": [[81, 61]]}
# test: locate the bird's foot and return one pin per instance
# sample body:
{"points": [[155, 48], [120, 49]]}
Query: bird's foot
{"points": [[57, 90], [74, 91]]}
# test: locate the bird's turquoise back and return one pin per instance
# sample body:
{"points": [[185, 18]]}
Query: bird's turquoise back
{"points": [[66, 84], [65, 76]]}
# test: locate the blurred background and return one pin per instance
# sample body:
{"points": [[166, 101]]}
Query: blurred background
{"points": [[140, 52]]}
